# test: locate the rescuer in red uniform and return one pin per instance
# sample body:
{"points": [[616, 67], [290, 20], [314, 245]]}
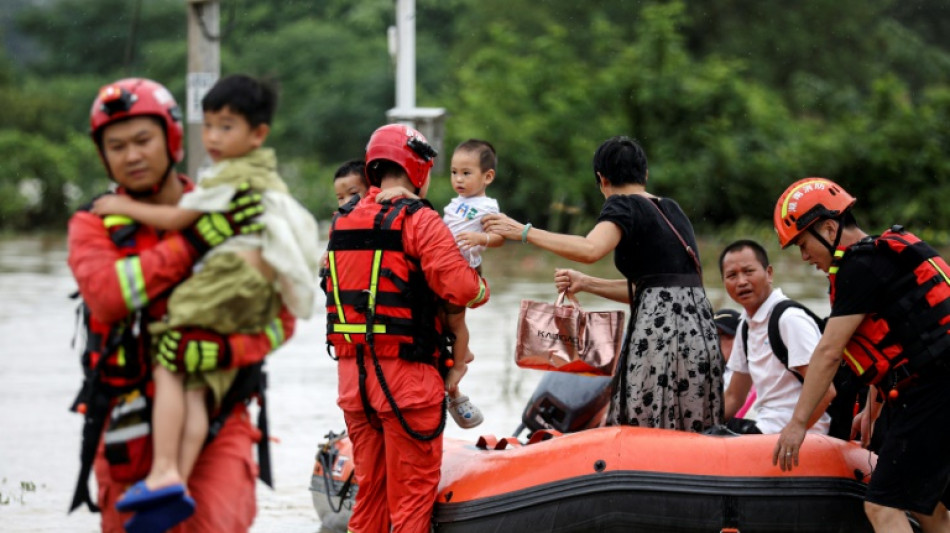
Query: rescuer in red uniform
{"points": [[125, 272], [389, 265]]}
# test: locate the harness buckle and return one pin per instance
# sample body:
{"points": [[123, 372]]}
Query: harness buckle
{"points": [[899, 378]]}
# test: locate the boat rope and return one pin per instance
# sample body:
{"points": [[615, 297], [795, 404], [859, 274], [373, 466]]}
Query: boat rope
{"points": [[370, 320], [325, 464]]}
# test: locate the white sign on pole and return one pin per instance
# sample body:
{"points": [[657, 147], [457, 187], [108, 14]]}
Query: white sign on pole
{"points": [[199, 83]]}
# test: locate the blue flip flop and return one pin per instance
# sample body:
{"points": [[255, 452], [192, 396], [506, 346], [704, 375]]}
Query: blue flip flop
{"points": [[161, 518], [140, 497]]}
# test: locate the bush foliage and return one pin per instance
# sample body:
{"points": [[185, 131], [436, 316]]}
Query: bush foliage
{"points": [[732, 99]]}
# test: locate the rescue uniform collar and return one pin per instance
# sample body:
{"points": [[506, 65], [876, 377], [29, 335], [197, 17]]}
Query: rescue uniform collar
{"points": [[865, 243]]}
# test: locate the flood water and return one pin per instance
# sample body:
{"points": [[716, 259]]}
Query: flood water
{"points": [[40, 374]]}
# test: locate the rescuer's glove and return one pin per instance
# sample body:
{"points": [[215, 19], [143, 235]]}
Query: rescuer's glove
{"points": [[193, 350], [241, 218]]}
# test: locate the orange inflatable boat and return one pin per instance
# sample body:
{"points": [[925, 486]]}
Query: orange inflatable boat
{"points": [[635, 479]]}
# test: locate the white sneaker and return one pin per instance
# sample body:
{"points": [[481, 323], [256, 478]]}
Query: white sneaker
{"points": [[465, 414]]}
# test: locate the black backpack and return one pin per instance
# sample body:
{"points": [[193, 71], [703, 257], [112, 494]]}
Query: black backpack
{"points": [[849, 390]]}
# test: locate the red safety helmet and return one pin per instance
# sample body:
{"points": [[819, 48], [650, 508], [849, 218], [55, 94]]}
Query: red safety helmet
{"points": [[134, 97], [404, 146], [805, 202]]}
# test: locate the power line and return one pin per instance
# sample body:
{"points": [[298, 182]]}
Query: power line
{"points": [[130, 42]]}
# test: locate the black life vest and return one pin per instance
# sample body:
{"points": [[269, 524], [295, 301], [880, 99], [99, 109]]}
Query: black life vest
{"points": [[903, 340]]}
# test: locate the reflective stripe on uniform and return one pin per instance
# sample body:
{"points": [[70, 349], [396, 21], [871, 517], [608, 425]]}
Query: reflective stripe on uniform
{"points": [[134, 401], [839, 253], [374, 280], [481, 293], [132, 282], [335, 280], [356, 329], [116, 220], [126, 434], [859, 370], [946, 278], [275, 333]]}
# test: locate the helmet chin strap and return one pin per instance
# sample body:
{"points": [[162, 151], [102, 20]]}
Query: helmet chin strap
{"points": [[831, 247], [154, 189]]}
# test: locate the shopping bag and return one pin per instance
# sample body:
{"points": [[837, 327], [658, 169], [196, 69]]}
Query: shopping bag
{"points": [[568, 339]]}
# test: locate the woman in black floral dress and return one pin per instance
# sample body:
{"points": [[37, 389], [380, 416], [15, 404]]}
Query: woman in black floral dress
{"points": [[670, 373]]}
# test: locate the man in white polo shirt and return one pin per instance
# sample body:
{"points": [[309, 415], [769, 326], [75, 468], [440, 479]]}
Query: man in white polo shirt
{"points": [[747, 276]]}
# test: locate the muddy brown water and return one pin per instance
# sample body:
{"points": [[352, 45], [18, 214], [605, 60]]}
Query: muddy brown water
{"points": [[40, 374]]}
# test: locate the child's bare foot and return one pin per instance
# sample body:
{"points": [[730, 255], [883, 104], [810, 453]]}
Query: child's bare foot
{"points": [[157, 480]]}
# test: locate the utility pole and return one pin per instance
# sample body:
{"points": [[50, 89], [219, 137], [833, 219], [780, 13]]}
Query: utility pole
{"points": [[402, 43], [405, 54], [204, 68]]}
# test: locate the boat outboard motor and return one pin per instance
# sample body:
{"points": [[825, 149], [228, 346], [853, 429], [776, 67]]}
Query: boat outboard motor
{"points": [[566, 402]]}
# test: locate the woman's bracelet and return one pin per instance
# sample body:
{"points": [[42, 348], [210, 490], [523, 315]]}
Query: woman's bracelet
{"points": [[524, 233], [487, 240]]}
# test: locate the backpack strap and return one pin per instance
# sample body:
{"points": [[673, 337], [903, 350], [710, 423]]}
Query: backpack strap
{"points": [[848, 389], [775, 335], [744, 334]]}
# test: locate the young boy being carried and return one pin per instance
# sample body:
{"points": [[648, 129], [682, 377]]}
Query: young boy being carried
{"points": [[473, 169], [239, 287]]}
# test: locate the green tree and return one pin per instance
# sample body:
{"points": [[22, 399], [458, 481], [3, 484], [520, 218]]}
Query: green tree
{"points": [[103, 37], [39, 182], [732, 99], [892, 156]]}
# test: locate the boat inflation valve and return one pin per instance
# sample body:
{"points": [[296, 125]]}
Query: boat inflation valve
{"points": [[600, 465]]}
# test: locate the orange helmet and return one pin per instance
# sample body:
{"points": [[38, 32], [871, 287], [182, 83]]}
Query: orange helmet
{"points": [[403, 146], [805, 202], [134, 97]]}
